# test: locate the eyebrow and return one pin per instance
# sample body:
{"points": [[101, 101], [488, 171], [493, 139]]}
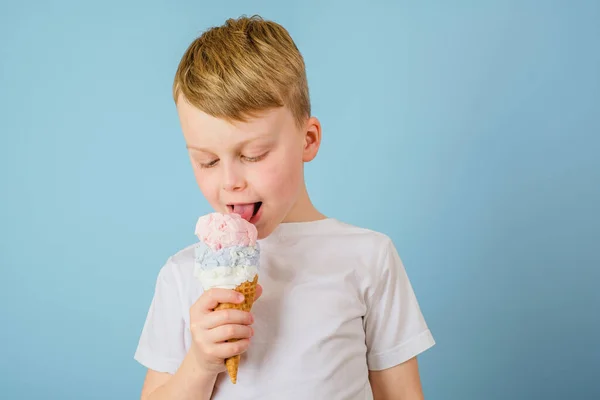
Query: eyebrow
{"points": [[197, 148], [241, 144]]}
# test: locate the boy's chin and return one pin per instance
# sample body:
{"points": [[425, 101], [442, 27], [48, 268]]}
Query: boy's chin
{"points": [[263, 233], [263, 230]]}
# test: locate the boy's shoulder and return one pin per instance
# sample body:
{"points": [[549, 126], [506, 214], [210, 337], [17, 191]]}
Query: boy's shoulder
{"points": [[343, 227], [179, 267], [185, 256], [342, 233], [333, 239]]}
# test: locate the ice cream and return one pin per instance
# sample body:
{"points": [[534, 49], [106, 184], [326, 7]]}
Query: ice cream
{"points": [[226, 268], [225, 230], [227, 256]]}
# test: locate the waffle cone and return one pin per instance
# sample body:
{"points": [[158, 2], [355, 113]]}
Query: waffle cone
{"points": [[248, 289]]}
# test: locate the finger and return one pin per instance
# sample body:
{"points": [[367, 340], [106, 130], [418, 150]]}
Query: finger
{"points": [[224, 317], [213, 297], [226, 332], [259, 291], [229, 349]]}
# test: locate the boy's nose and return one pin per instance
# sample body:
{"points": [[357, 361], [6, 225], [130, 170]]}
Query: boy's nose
{"points": [[233, 180]]}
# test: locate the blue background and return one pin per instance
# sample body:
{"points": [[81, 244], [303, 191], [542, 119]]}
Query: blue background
{"points": [[467, 131]]}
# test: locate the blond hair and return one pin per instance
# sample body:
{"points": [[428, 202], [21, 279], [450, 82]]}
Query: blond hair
{"points": [[241, 68]]}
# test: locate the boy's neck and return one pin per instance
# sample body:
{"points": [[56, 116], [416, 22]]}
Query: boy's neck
{"points": [[304, 210]]}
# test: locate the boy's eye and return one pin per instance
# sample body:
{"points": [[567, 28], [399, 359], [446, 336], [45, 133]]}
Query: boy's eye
{"points": [[254, 159], [208, 164]]}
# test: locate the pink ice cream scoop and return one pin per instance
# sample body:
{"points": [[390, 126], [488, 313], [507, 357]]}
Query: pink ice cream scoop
{"points": [[225, 230]]}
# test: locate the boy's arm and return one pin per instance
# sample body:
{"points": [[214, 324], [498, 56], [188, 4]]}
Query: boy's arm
{"points": [[188, 383], [401, 382]]}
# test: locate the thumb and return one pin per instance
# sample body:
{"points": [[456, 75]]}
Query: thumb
{"points": [[259, 291]]}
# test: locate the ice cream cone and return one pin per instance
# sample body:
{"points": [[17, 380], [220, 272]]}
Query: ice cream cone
{"points": [[228, 256], [248, 289]]}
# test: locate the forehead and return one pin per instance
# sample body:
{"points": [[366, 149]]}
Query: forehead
{"points": [[203, 130]]}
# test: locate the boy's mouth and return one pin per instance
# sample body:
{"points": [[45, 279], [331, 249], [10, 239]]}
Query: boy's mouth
{"points": [[247, 210]]}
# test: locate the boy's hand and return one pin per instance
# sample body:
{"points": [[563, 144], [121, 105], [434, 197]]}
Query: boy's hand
{"points": [[211, 329]]}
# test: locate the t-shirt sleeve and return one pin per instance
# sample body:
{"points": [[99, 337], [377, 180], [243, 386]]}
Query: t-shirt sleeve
{"points": [[161, 346], [394, 325]]}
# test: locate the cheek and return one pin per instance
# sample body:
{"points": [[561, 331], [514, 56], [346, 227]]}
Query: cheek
{"points": [[207, 184], [279, 179]]}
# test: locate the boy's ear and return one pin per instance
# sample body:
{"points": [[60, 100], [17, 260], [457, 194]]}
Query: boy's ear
{"points": [[312, 139]]}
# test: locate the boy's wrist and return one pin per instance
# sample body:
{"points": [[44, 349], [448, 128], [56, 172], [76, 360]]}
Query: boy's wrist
{"points": [[190, 382], [197, 371]]}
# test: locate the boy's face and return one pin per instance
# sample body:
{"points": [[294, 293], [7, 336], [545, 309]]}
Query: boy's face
{"points": [[253, 168]]}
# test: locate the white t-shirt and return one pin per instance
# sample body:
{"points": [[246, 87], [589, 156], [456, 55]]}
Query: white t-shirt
{"points": [[336, 303]]}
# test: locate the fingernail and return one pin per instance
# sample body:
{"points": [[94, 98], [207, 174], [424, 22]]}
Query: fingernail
{"points": [[251, 318], [240, 297]]}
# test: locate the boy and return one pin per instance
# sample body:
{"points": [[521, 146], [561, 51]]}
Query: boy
{"points": [[335, 316]]}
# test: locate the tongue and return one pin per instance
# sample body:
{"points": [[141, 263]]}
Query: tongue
{"points": [[244, 210]]}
